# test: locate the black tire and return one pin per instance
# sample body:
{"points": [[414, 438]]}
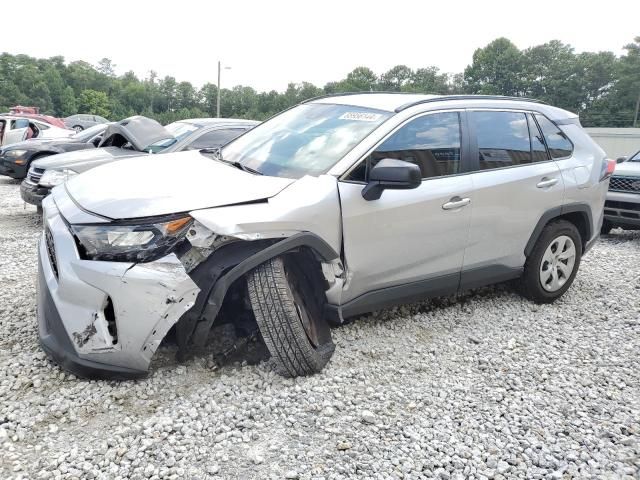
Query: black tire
{"points": [[282, 297], [39, 209], [78, 128], [531, 282], [606, 227]]}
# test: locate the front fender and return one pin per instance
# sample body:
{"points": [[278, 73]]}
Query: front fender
{"points": [[310, 204]]}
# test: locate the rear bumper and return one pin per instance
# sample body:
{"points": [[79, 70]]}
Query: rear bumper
{"points": [[32, 193], [622, 209], [11, 169]]}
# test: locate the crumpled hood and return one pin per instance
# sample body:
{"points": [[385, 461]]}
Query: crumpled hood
{"points": [[139, 131], [81, 160], [153, 185]]}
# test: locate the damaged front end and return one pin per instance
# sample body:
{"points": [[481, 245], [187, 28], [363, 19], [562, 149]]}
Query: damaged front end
{"points": [[110, 291], [216, 263]]}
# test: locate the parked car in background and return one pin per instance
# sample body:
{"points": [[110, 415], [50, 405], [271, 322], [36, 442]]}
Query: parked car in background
{"points": [[81, 121], [130, 137], [622, 208], [339, 206], [34, 113], [15, 129], [15, 159]]}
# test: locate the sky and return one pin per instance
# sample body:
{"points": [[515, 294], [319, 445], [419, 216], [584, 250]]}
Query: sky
{"points": [[268, 44]]}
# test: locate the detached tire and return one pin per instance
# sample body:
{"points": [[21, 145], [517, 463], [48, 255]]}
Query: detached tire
{"points": [[552, 265], [289, 314]]}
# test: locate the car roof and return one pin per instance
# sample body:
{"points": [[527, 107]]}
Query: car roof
{"points": [[208, 122], [388, 101], [398, 101]]}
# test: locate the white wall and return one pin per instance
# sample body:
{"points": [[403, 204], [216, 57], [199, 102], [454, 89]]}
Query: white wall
{"points": [[616, 142]]}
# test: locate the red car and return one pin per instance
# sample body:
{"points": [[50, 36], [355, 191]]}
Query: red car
{"points": [[34, 112]]}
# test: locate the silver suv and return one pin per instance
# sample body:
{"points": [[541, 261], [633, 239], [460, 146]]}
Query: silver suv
{"points": [[336, 207]]}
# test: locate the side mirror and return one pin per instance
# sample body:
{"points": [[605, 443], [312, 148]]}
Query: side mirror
{"points": [[621, 159], [393, 174]]}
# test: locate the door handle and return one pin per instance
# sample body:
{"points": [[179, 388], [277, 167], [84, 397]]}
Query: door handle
{"points": [[456, 202], [547, 182]]}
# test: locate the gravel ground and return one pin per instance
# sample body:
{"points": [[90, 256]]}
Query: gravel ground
{"points": [[488, 386]]}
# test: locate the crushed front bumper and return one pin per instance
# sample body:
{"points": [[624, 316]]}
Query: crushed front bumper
{"points": [[33, 193], [104, 319]]}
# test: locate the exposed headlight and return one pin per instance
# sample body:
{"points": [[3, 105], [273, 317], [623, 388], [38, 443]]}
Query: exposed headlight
{"points": [[14, 156], [131, 243], [51, 178], [14, 153]]}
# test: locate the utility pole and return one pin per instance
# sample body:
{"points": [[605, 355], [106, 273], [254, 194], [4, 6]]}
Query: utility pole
{"points": [[635, 116], [218, 102]]}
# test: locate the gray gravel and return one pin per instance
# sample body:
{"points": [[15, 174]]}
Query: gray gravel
{"points": [[488, 386]]}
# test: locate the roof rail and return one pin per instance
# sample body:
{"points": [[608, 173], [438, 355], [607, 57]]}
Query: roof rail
{"points": [[445, 98], [346, 94]]}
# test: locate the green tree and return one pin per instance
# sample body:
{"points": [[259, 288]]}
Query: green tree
{"points": [[68, 105], [396, 78], [106, 67], [427, 80], [496, 69], [94, 102]]}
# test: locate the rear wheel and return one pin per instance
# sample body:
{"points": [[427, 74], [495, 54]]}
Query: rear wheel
{"points": [[78, 128], [550, 269], [289, 314], [606, 227]]}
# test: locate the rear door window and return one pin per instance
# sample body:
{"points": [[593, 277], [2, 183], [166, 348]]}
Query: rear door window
{"points": [[559, 145], [503, 139]]}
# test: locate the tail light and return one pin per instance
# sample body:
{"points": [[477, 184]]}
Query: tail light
{"points": [[608, 167]]}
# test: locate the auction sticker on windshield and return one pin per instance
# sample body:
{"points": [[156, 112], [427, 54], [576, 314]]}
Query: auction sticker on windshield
{"points": [[361, 116]]}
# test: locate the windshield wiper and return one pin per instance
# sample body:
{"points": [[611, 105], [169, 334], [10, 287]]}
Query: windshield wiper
{"points": [[217, 154]]}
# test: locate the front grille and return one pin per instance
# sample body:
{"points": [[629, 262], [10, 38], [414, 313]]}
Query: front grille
{"points": [[624, 184], [622, 205], [51, 250], [35, 174]]}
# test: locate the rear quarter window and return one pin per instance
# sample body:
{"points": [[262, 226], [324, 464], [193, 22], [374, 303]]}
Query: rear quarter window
{"points": [[558, 143]]}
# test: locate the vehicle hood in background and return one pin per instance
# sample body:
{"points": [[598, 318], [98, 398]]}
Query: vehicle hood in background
{"points": [[631, 169], [139, 131], [82, 160], [152, 185], [38, 143]]}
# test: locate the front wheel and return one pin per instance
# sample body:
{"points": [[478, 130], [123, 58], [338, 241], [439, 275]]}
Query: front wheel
{"points": [[606, 227], [78, 128], [289, 314], [552, 265]]}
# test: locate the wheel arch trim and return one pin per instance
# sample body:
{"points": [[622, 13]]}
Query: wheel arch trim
{"points": [[215, 296], [582, 209]]}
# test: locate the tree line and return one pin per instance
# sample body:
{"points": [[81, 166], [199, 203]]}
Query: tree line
{"points": [[600, 86]]}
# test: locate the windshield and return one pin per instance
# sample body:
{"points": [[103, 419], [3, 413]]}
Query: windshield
{"points": [[305, 140], [635, 158], [179, 130], [88, 133]]}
